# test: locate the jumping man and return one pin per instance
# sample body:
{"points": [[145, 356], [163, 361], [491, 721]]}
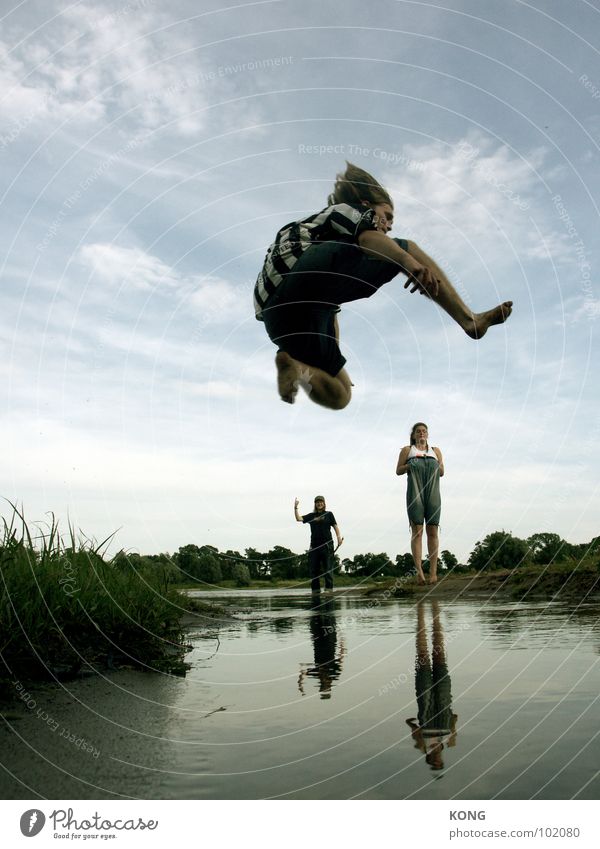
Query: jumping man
{"points": [[338, 255]]}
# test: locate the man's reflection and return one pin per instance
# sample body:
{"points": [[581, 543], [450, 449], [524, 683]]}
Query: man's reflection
{"points": [[435, 724], [328, 658]]}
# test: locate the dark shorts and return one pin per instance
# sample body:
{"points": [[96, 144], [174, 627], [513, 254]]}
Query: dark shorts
{"points": [[300, 316]]}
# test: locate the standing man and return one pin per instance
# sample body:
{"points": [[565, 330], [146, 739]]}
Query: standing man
{"points": [[320, 553]]}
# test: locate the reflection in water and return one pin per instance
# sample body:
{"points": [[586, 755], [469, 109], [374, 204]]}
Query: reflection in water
{"points": [[328, 659], [435, 723]]}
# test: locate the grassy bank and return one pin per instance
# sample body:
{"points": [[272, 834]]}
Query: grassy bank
{"points": [[65, 609], [569, 580]]}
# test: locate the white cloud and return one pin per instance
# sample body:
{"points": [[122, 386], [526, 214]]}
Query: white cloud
{"points": [[474, 192], [213, 300], [555, 247], [217, 301], [214, 389], [119, 266], [21, 102], [89, 61]]}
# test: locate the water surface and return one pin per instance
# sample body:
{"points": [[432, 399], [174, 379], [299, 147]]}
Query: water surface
{"points": [[347, 697]]}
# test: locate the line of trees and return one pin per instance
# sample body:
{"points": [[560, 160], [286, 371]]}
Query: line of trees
{"points": [[502, 550], [206, 564]]}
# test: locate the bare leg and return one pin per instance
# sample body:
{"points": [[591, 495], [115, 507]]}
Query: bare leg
{"points": [[422, 658], [432, 551], [474, 324], [439, 652], [321, 387], [416, 547]]}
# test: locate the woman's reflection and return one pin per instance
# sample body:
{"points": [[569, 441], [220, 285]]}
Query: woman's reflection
{"points": [[435, 724], [328, 658]]}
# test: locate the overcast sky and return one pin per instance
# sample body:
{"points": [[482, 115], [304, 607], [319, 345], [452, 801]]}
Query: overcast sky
{"points": [[150, 153]]}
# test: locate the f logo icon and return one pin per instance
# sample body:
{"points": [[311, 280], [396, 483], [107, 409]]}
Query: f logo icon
{"points": [[32, 822]]}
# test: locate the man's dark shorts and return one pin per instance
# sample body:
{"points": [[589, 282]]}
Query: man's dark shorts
{"points": [[300, 316]]}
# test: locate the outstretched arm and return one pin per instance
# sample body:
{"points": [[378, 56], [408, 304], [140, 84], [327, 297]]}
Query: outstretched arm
{"points": [[428, 278], [297, 515], [420, 277], [402, 466]]}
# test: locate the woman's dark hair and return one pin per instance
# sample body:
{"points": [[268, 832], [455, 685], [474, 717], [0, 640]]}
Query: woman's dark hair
{"points": [[355, 186], [412, 431]]}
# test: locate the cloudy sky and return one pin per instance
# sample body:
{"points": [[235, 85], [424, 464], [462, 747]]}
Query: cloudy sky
{"points": [[150, 153]]}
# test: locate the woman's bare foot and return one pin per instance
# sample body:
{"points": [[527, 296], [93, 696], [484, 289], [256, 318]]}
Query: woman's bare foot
{"points": [[482, 321], [433, 579], [288, 372], [420, 579]]}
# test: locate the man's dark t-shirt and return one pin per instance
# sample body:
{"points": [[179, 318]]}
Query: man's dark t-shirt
{"points": [[320, 527]]}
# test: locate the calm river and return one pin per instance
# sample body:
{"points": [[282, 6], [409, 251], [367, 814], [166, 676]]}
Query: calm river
{"points": [[347, 698]]}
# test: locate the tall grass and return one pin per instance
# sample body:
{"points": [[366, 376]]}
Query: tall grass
{"points": [[65, 608]]}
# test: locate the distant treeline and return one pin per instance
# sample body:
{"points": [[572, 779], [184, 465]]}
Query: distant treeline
{"points": [[206, 564]]}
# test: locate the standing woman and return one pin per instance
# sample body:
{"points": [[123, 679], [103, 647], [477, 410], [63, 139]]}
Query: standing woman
{"points": [[425, 467]]}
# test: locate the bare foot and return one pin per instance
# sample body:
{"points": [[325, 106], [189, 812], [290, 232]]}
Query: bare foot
{"points": [[288, 373], [420, 579], [433, 579], [482, 321]]}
